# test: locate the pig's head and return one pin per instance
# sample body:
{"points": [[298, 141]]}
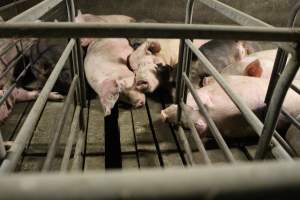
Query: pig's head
{"points": [[144, 64]]}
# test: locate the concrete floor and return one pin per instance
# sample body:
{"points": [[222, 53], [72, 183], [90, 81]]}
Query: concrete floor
{"points": [[137, 143]]}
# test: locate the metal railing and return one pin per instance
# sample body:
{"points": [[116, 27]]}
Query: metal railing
{"points": [[232, 180]]}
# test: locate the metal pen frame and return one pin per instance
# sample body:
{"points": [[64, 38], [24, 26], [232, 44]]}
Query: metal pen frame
{"points": [[197, 180]]}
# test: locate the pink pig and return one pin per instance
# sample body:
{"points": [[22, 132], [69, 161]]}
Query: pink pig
{"points": [[106, 65], [225, 114]]}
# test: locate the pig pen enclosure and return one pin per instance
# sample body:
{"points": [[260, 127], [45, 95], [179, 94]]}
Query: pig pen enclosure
{"points": [[42, 141]]}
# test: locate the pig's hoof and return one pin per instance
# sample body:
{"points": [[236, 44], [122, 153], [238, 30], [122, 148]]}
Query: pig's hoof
{"points": [[55, 96], [163, 116], [139, 104]]}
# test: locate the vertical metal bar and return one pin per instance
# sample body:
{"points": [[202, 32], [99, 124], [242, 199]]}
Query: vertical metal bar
{"points": [[276, 103], [183, 52], [15, 152], [78, 157], [250, 117], [195, 135], [186, 146], [211, 124], [55, 141], [70, 141], [2, 147]]}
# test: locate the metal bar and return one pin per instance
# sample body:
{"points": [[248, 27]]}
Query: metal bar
{"points": [[61, 123], [70, 141], [2, 148], [240, 17], [195, 135], [275, 105], [250, 117], [186, 146], [267, 180], [295, 88], [211, 124], [183, 53], [291, 118], [77, 159], [154, 30], [35, 12], [7, 6], [27, 129]]}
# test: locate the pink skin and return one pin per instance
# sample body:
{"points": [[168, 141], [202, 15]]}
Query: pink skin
{"points": [[19, 95], [106, 65], [225, 114], [143, 61], [259, 64]]}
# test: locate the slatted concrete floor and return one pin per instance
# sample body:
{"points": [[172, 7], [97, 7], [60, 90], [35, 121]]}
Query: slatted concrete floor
{"points": [[138, 136]]}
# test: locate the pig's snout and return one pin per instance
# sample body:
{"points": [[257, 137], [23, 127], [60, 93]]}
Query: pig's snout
{"points": [[142, 85]]}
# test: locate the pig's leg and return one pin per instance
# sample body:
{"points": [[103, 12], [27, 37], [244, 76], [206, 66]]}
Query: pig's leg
{"points": [[25, 95]]}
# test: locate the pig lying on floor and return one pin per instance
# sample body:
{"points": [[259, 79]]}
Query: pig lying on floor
{"points": [[225, 114], [106, 66], [152, 58]]}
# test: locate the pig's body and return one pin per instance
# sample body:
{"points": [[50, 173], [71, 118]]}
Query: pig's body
{"points": [[262, 62], [225, 114], [220, 53], [106, 65], [108, 75]]}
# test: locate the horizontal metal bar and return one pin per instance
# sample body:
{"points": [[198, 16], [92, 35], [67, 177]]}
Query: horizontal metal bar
{"points": [[295, 88], [195, 135], [10, 163], [267, 180], [2, 148], [210, 123], [186, 146], [240, 17], [14, 3], [250, 117], [70, 141], [292, 119], [35, 12], [275, 105], [58, 129], [155, 30]]}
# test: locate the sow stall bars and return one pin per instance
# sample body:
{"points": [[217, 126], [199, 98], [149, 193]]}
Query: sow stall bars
{"points": [[246, 180]]}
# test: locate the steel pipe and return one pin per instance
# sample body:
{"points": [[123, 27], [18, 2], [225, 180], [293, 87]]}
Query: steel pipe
{"points": [[295, 88], [70, 141], [2, 148], [240, 17], [250, 117], [58, 129], [14, 3], [153, 30], [211, 124], [35, 12], [195, 135], [186, 146], [275, 105], [267, 180], [292, 119], [25, 133], [77, 159]]}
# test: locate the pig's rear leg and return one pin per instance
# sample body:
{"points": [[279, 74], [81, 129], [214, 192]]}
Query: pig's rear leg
{"points": [[25, 95]]}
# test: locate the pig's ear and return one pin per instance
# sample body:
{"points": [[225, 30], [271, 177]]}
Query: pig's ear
{"points": [[154, 47], [85, 41], [108, 93], [254, 69]]}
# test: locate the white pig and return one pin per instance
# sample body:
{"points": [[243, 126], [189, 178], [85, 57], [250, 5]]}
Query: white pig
{"points": [[225, 114], [105, 66]]}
